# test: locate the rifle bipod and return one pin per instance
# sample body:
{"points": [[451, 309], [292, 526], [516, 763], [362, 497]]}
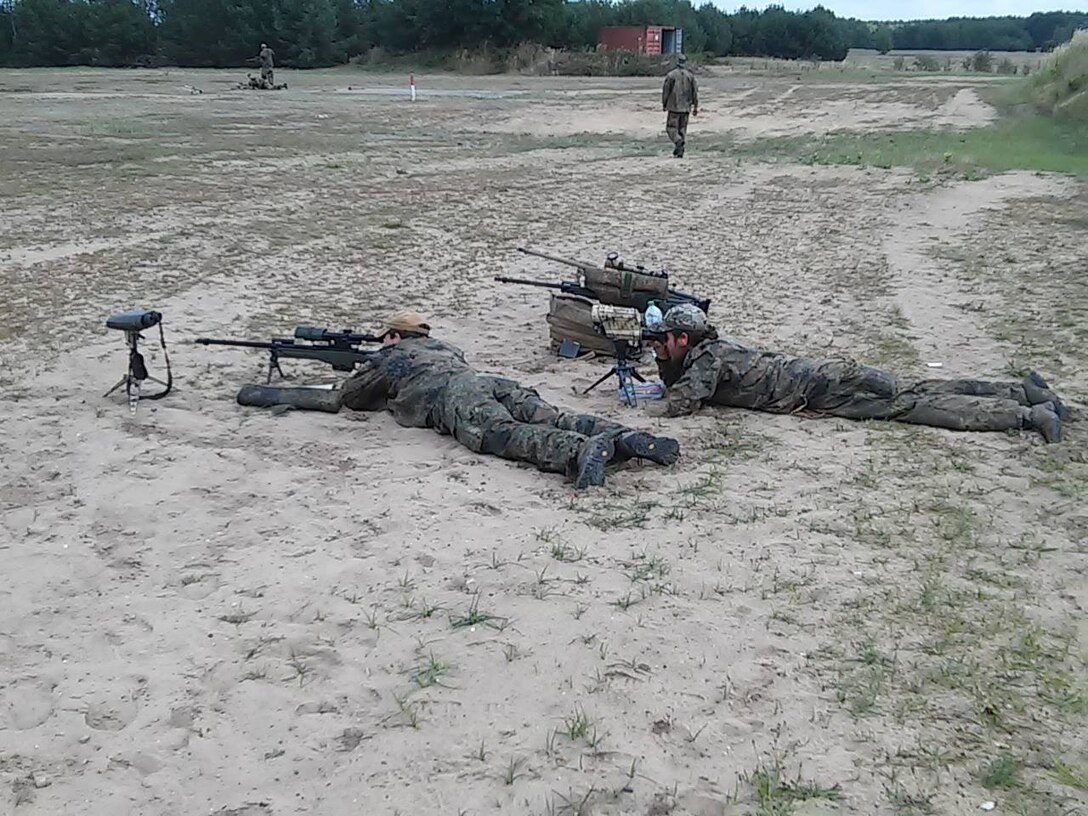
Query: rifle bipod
{"points": [[624, 371], [137, 371]]}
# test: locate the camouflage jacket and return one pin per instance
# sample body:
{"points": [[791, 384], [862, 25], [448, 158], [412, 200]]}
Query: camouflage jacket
{"points": [[680, 92], [409, 379], [727, 372], [266, 57]]}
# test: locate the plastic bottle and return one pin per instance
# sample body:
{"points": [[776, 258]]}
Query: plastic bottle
{"points": [[654, 319]]}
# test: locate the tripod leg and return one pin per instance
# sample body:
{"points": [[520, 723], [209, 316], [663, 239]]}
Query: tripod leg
{"points": [[627, 388], [120, 382], [601, 380], [133, 394]]}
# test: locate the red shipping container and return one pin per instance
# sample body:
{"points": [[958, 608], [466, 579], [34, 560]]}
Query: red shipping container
{"points": [[638, 39]]}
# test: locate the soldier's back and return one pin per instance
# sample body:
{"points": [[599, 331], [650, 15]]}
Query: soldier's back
{"points": [[420, 370]]}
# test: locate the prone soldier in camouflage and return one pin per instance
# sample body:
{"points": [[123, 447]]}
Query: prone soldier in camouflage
{"points": [[698, 367], [426, 383], [680, 99]]}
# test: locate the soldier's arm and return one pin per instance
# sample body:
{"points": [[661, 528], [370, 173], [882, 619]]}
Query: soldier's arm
{"points": [[666, 89], [696, 385], [368, 388]]}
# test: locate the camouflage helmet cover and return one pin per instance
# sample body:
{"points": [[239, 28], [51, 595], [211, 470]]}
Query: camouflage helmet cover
{"points": [[687, 317]]}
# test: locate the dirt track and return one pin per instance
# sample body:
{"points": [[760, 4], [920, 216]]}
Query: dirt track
{"points": [[211, 609]]}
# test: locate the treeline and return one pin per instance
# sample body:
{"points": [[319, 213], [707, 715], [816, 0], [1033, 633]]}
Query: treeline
{"points": [[1041, 31], [314, 33]]}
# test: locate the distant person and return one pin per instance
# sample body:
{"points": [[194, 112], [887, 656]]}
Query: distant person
{"points": [[679, 98], [268, 59]]}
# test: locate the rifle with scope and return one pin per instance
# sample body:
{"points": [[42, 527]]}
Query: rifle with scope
{"points": [[340, 349], [614, 284]]}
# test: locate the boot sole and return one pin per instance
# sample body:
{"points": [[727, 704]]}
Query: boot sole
{"points": [[594, 461], [660, 450]]}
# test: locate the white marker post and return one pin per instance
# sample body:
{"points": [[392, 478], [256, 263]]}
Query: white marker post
{"points": [[412, 85]]}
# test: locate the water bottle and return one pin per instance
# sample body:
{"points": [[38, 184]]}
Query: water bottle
{"points": [[654, 319]]}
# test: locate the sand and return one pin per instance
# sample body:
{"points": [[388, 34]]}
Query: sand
{"points": [[211, 609]]}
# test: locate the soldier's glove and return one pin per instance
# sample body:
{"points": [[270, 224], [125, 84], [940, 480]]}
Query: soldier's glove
{"points": [[657, 408]]}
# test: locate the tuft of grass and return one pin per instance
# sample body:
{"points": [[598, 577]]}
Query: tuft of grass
{"points": [[577, 725], [776, 794], [1001, 773], [1068, 776], [409, 710], [513, 771], [430, 673], [474, 616]]}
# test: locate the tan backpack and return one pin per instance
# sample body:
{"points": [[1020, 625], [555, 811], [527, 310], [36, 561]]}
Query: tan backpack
{"points": [[570, 318]]}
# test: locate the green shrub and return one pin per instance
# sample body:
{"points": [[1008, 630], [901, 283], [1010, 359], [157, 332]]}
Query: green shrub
{"points": [[983, 62], [926, 62], [1060, 86]]}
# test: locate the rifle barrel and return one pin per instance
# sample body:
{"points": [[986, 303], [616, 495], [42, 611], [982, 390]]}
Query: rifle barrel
{"points": [[527, 282], [555, 258], [207, 341]]}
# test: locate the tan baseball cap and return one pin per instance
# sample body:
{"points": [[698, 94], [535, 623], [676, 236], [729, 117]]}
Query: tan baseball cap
{"points": [[404, 321]]}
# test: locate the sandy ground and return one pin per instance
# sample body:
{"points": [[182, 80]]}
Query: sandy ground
{"points": [[210, 609]]}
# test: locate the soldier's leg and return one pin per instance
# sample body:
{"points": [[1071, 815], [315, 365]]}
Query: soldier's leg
{"points": [[526, 405], [956, 412], [672, 127], [682, 132], [1032, 390], [974, 388], [472, 414]]}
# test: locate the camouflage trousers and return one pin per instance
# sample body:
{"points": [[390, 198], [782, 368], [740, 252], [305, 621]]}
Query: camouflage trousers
{"points": [[267, 74], [676, 126], [853, 391], [497, 416]]}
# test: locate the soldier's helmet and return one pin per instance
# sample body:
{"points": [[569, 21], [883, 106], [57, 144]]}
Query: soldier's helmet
{"points": [[681, 59], [687, 317]]}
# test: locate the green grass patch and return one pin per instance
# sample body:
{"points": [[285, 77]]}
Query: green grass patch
{"points": [[1019, 142]]}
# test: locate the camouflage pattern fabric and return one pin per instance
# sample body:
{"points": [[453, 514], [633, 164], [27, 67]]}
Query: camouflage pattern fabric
{"points": [[676, 126], [680, 91], [426, 383], [726, 372]]}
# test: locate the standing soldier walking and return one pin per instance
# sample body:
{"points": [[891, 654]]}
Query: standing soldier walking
{"points": [[679, 98], [267, 57]]}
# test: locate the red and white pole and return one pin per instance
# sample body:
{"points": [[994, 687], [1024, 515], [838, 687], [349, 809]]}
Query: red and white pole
{"points": [[412, 85]]}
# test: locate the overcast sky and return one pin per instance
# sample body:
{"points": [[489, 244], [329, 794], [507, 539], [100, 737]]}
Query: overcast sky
{"points": [[919, 9]]}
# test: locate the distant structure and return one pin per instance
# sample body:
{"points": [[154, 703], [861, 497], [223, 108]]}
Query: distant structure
{"points": [[651, 40]]}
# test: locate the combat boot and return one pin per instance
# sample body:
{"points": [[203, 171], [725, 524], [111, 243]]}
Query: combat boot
{"points": [[660, 450], [1037, 391], [1044, 419], [305, 399], [596, 454]]}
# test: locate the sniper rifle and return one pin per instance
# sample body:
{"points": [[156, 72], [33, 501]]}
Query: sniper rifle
{"points": [[340, 349], [614, 284]]}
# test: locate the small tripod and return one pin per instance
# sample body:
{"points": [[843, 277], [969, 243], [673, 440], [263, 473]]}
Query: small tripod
{"points": [[137, 372], [623, 370]]}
